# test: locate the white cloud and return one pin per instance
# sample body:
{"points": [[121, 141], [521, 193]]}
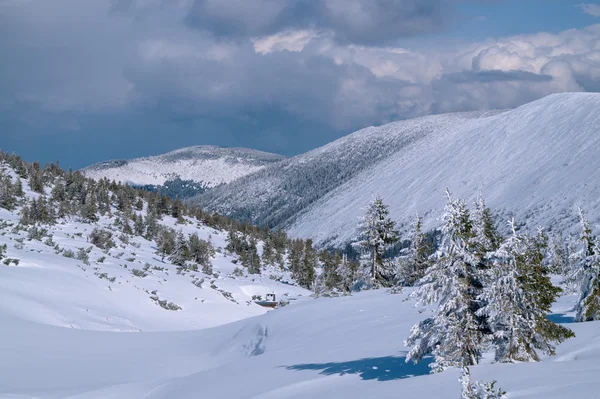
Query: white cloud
{"points": [[75, 58], [591, 9]]}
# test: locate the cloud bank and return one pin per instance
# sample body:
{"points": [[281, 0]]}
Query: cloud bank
{"points": [[323, 63]]}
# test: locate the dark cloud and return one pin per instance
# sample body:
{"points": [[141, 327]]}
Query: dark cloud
{"points": [[492, 76], [98, 79], [348, 21]]}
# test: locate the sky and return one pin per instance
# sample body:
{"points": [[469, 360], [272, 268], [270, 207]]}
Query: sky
{"points": [[86, 81]]}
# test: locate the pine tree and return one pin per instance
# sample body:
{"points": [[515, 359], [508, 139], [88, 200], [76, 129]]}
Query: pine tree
{"points": [[586, 275], [165, 241], [377, 232], [306, 274], [253, 258], [200, 252], [453, 334], [347, 270], [7, 193], [412, 267], [478, 389], [89, 208], [486, 235], [518, 300], [181, 252]]}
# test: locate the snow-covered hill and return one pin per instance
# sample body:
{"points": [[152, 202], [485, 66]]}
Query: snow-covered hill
{"points": [[539, 161], [349, 347], [276, 194], [209, 165], [60, 277]]}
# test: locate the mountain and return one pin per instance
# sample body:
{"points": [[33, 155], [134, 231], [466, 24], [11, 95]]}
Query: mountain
{"points": [[209, 165], [95, 255], [538, 162]]}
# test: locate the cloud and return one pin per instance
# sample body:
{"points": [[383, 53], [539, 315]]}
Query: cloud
{"points": [[73, 63], [590, 9], [348, 21]]}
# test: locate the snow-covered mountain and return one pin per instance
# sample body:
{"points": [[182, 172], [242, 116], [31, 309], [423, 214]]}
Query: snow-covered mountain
{"points": [[539, 161], [209, 165], [55, 273]]}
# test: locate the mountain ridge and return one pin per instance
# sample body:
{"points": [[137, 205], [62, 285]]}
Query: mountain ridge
{"points": [[207, 164]]}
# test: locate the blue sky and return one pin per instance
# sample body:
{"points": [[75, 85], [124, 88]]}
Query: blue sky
{"points": [[87, 81]]}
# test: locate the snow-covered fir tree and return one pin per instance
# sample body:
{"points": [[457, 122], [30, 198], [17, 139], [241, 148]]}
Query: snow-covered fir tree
{"points": [[585, 276], [377, 232], [452, 335], [181, 251], [413, 264], [518, 299], [478, 389]]}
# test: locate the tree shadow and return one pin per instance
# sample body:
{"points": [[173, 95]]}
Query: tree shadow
{"points": [[560, 318], [379, 368]]}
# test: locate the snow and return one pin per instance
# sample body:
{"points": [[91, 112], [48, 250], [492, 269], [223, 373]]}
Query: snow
{"points": [[48, 288], [204, 164], [538, 161], [325, 348]]}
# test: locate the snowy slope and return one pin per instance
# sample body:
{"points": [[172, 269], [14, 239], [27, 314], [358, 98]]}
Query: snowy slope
{"points": [[119, 289], [210, 165], [539, 161], [274, 195], [346, 347]]}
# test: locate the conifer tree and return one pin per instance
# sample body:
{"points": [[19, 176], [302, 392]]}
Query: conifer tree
{"points": [[252, 257], [165, 241], [306, 274], [518, 299], [89, 208], [200, 252], [181, 252], [7, 194], [377, 232], [453, 335], [586, 274]]}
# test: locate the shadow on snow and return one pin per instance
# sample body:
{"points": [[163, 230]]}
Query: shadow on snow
{"points": [[560, 318], [379, 368]]}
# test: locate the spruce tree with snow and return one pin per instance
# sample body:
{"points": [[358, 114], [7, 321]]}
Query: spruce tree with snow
{"points": [[253, 259], [586, 274], [486, 235], [412, 267], [377, 232], [478, 389], [518, 300], [453, 334], [181, 251]]}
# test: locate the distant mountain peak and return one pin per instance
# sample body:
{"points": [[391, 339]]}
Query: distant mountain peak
{"points": [[206, 164]]}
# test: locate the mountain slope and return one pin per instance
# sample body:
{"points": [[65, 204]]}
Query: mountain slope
{"points": [[275, 194], [209, 165], [539, 161], [54, 272]]}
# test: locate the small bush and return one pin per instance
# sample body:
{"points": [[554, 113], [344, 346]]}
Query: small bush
{"points": [[102, 239], [139, 273], [68, 253]]}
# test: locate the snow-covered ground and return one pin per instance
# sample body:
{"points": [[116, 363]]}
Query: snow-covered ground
{"points": [[348, 347], [203, 164]]}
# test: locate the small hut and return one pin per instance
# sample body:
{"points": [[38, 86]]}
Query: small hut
{"points": [[269, 302]]}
